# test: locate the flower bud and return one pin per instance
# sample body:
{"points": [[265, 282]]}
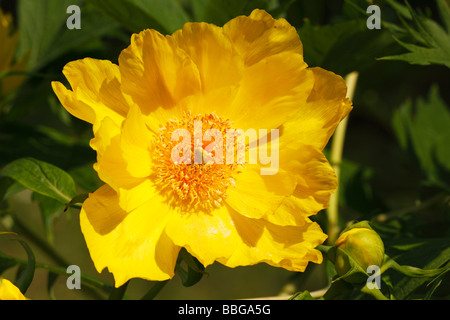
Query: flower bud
{"points": [[357, 248]]}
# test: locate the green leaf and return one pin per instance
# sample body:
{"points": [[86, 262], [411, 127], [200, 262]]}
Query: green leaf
{"points": [[342, 47], [401, 9], [305, 295], [39, 23], [444, 10], [423, 127], [435, 40], [165, 16], [356, 189], [42, 177], [44, 34], [9, 187], [27, 273], [426, 254], [86, 177], [94, 26], [339, 290]]}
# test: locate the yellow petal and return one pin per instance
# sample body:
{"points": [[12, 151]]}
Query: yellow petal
{"points": [[111, 165], [226, 236], [130, 244], [136, 142], [257, 195], [96, 91], [271, 92], [156, 73], [207, 236], [9, 291], [133, 197], [315, 121], [291, 212], [212, 52], [290, 247], [259, 35], [315, 182], [309, 181]]}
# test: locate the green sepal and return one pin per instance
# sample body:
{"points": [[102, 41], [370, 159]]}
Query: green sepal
{"points": [[355, 274], [76, 201], [305, 295], [194, 271]]}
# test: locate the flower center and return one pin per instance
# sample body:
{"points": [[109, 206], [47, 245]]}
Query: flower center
{"points": [[190, 161]]}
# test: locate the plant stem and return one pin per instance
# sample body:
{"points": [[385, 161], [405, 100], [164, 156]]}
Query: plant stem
{"points": [[86, 280], [49, 250], [337, 148], [374, 293], [153, 292], [118, 293], [61, 269]]}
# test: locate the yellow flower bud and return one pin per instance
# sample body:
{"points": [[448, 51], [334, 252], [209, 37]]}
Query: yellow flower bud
{"points": [[358, 248]]}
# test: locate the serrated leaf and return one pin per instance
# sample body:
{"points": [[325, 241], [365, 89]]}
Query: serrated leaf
{"points": [[401, 9], [435, 40], [42, 177], [424, 128], [444, 10]]}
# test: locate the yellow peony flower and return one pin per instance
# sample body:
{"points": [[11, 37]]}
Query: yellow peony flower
{"points": [[8, 291], [248, 74], [8, 41]]}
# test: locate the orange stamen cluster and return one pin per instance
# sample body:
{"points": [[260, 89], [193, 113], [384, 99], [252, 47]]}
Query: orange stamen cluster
{"points": [[194, 186]]}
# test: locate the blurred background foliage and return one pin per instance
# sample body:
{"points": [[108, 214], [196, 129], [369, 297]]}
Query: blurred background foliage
{"points": [[396, 165]]}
